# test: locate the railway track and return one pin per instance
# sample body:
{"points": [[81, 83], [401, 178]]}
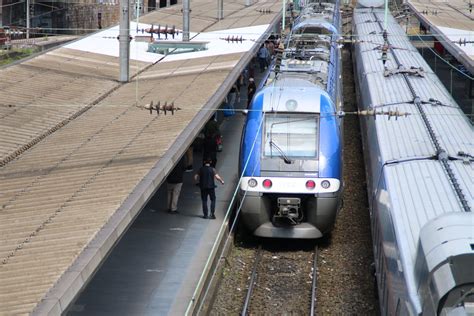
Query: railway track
{"points": [[282, 282]]}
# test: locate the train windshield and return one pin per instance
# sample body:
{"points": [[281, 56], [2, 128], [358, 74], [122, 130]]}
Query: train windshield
{"points": [[291, 135]]}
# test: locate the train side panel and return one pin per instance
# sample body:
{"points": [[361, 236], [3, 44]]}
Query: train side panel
{"points": [[420, 200]]}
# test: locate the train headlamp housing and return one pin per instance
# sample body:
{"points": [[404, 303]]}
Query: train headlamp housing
{"points": [[252, 183], [267, 183], [325, 184], [291, 105]]}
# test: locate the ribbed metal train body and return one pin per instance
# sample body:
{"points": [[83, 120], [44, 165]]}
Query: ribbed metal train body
{"points": [[420, 175]]}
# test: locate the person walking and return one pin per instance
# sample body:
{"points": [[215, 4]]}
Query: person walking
{"points": [[174, 184], [251, 89], [205, 178]]}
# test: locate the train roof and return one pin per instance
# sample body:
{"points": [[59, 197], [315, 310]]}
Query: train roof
{"points": [[316, 71], [317, 15], [408, 137], [418, 188], [293, 87], [314, 22]]}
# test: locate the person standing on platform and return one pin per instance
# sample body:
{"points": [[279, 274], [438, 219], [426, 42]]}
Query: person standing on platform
{"points": [[189, 159], [209, 149], [251, 89], [251, 70], [271, 48], [263, 57], [234, 95], [174, 184], [205, 178]]}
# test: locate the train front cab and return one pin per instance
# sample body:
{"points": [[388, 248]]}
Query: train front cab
{"points": [[291, 185], [277, 215]]}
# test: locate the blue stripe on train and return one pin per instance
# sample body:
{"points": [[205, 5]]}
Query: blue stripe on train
{"points": [[252, 133], [330, 162]]}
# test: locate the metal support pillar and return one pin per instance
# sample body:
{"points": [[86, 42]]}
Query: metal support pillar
{"points": [[137, 12], [186, 12], [283, 19], [124, 40], [220, 9], [27, 18]]}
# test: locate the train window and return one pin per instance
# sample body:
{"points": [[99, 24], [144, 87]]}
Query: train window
{"points": [[291, 135]]}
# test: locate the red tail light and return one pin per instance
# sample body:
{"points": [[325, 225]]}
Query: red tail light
{"points": [[310, 184], [267, 183]]}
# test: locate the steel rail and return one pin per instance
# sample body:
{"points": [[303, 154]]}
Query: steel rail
{"points": [[253, 277], [314, 283]]}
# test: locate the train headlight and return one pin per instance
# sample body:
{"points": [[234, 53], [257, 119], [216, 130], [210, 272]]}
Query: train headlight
{"points": [[291, 105], [310, 184], [325, 184], [252, 183], [267, 183]]}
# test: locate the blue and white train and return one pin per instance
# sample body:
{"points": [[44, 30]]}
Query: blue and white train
{"points": [[420, 175], [291, 147]]}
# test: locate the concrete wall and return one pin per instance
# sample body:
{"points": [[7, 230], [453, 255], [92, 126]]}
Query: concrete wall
{"points": [[83, 18]]}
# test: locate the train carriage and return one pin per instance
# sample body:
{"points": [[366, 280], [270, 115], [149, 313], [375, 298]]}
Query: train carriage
{"points": [[420, 175], [291, 150]]}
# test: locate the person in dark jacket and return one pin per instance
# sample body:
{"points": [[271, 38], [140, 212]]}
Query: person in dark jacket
{"points": [[205, 178], [251, 89], [209, 148], [174, 184]]}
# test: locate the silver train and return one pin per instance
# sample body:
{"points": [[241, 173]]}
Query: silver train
{"points": [[420, 172], [291, 148]]}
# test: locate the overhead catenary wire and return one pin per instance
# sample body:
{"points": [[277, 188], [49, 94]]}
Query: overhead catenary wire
{"points": [[224, 32]]}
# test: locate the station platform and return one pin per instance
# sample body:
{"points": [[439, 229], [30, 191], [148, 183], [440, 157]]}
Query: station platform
{"points": [[452, 24], [80, 155], [155, 268]]}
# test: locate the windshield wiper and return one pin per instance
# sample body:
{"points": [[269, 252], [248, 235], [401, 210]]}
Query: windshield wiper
{"points": [[282, 153]]}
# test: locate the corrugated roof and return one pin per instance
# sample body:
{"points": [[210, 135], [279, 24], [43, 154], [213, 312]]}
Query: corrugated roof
{"points": [[67, 199], [449, 21]]}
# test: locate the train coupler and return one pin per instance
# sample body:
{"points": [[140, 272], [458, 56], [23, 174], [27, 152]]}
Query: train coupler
{"points": [[289, 210]]}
